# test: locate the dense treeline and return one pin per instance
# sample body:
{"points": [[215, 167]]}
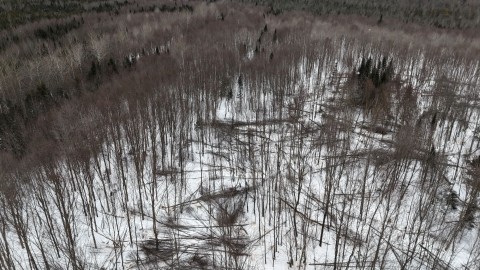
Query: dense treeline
{"points": [[220, 136], [456, 14], [17, 12]]}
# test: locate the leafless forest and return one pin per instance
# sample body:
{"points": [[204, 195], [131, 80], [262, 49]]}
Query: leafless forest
{"points": [[222, 135]]}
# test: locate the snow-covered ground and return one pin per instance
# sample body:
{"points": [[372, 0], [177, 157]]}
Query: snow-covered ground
{"points": [[307, 185]]}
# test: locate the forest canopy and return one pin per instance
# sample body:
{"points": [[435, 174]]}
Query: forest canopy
{"points": [[239, 134]]}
